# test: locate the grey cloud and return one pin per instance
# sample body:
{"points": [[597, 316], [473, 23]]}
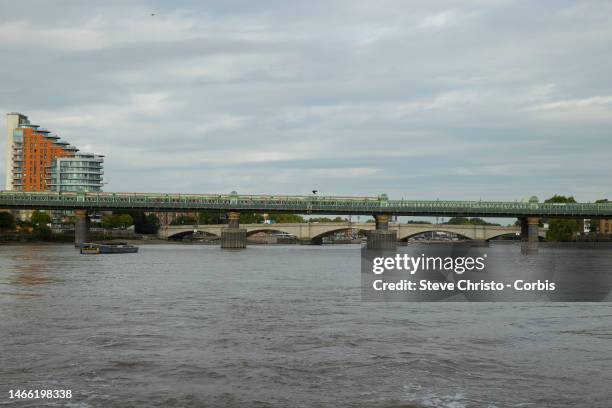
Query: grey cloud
{"points": [[492, 100]]}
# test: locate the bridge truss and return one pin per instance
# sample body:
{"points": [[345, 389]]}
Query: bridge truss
{"points": [[299, 204]]}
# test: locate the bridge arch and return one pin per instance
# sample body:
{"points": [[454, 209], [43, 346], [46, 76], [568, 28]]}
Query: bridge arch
{"points": [[268, 230], [411, 234], [504, 234], [317, 231], [541, 235], [335, 230], [182, 234]]}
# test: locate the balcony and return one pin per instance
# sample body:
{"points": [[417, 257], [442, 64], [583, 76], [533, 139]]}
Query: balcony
{"points": [[80, 171]]}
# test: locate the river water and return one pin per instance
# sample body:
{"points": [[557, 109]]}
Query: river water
{"points": [[278, 326]]}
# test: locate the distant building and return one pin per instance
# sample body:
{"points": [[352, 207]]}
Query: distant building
{"points": [[166, 218], [81, 172], [32, 153], [604, 227], [12, 121], [37, 160]]}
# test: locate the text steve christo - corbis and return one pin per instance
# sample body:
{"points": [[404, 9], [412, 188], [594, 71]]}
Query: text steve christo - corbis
{"points": [[457, 265]]}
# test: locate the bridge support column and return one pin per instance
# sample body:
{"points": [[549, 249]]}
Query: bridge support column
{"points": [[81, 227], [524, 229], [580, 222], [233, 237], [530, 234], [381, 237]]}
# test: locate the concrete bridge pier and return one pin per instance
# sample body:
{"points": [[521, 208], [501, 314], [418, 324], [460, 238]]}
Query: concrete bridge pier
{"points": [[524, 229], [382, 237], [233, 237], [530, 234], [81, 227]]}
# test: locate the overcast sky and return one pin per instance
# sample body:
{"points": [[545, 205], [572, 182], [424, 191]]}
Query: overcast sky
{"points": [[418, 99]]}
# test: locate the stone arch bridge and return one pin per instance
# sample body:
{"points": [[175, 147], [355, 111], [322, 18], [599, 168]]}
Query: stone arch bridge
{"points": [[314, 232]]}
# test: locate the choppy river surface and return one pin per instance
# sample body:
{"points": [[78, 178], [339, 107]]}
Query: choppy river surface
{"points": [[278, 326]]}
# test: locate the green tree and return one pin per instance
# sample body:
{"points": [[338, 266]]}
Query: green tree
{"points": [[109, 221], [561, 230], [7, 221], [117, 221], [287, 218], [320, 219], [143, 223], [125, 220], [40, 219], [149, 224], [458, 221], [210, 218], [251, 218], [560, 199], [327, 219], [467, 221]]}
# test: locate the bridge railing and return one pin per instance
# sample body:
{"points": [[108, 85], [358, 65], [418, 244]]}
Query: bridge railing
{"points": [[299, 204]]}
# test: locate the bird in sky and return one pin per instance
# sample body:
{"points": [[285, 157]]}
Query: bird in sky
{"points": [[152, 14]]}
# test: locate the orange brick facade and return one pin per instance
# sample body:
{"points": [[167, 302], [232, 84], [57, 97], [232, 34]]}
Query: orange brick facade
{"points": [[37, 154]]}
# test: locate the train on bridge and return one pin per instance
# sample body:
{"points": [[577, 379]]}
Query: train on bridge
{"points": [[380, 207]]}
